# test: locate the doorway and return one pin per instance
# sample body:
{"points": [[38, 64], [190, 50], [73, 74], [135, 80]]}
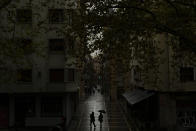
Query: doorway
{"points": [[24, 107]]}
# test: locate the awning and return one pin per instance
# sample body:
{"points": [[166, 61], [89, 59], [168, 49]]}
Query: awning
{"points": [[137, 95]]}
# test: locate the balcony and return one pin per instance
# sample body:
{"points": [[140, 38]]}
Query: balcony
{"points": [[60, 87], [21, 87]]}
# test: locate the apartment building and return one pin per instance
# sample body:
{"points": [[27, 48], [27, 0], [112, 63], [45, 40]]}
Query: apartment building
{"points": [[170, 105], [46, 81]]}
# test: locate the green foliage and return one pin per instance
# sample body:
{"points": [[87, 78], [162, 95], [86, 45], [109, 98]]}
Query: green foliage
{"points": [[127, 26]]}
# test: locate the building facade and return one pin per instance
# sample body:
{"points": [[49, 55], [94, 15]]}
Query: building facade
{"points": [[168, 105], [45, 79]]}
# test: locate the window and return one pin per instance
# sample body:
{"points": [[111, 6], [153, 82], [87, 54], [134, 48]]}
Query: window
{"points": [[24, 75], [51, 106], [26, 45], [56, 16], [25, 105], [71, 76], [56, 44], [184, 46], [56, 75], [186, 74], [24, 16], [10, 14]]}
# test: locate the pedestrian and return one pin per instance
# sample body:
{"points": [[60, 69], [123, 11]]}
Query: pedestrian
{"points": [[100, 118], [92, 119]]}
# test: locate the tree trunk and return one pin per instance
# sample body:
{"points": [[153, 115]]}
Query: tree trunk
{"points": [[113, 88]]}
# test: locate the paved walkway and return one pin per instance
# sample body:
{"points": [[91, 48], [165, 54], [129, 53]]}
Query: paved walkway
{"points": [[114, 119]]}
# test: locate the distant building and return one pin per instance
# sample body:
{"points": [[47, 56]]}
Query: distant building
{"points": [[46, 89]]}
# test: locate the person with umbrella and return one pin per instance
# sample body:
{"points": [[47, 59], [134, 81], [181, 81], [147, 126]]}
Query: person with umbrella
{"points": [[100, 117], [101, 111]]}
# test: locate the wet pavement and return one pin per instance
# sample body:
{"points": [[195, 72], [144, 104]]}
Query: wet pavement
{"points": [[113, 119]]}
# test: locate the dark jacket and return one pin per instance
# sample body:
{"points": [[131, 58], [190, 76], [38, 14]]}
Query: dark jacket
{"points": [[92, 117], [100, 118]]}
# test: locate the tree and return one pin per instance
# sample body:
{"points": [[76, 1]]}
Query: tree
{"points": [[125, 30], [170, 16]]}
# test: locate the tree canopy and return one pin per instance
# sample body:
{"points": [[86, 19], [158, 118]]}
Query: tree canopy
{"points": [[125, 30], [176, 17]]}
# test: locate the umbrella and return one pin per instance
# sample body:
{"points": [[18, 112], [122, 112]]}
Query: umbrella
{"points": [[102, 111]]}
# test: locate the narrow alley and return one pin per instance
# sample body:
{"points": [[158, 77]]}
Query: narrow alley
{"points": [[113, 119]]}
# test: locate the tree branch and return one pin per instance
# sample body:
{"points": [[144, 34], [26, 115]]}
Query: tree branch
{"points": [[189, 42], [4, 4], [172, 5], [137, 8], [157, 24], [185, 4]]}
